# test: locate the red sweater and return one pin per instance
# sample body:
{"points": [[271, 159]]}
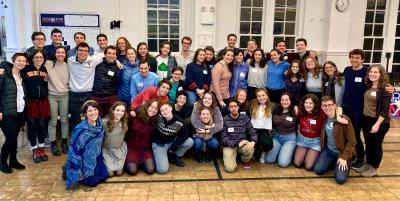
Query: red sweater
{"points": [[146, 95], [311, 127]]}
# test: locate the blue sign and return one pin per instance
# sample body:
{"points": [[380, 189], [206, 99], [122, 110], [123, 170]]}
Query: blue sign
{"points": [[52, 20]]}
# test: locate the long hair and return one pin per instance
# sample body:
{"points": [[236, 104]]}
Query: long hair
{"points": [[230, 65], [244, 105], [255, 105], [35, 52], [337, 73], [110, 116], [211, 114], [54, 59], [316, 69], [86, 105], [279, 109], [137, 48], [262, 61], [144, 116], [213, 104], [383, 78], [315, 100], [299, 74], [127, 44]]}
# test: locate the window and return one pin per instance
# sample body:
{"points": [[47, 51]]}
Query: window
{"points": [[251, 14], [396, 55], [373, 31], [285, 22], [163, 17]]}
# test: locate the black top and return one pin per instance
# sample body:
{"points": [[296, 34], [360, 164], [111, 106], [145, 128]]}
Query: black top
{"points": [[8, 90], [36, 81], [105, 79]]}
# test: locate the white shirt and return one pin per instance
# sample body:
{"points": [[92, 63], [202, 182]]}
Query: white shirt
{"points": [[20, 94], [262, 122], [82, 74], [183, 62], [162, 61]]}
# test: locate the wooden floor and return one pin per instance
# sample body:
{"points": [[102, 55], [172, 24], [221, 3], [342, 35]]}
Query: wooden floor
{"points": [[209, 182]]}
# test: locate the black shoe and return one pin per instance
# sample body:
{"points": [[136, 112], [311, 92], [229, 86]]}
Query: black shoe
{"points": [[5, 168], [179, 162], [173, 159], [14, 163], [54, 150], [359, 164], [64, 172], [64, 147], [198, 158]]}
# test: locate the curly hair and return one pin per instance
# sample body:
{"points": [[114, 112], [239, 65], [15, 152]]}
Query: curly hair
{"points": [[110, 116], [383, 78], [144, 115]]}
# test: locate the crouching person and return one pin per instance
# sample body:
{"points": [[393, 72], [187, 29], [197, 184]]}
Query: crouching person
{"points": [[238, 136], [337, 143]]}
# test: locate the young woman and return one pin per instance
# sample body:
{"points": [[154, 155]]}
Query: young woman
{"points": [[143, 53], [138, 139], [85, 162], [241, 97], [276, 75], [239, 74], [181, 107], [311, 120], [35, 77], [198, 76], [177, 84], [204, 136], [114, 146], [261, 110], [313, 76], [12, 106], [210, 58], [375, 119], [284, 122], [332, 82], [122, 46], [220, 76], [170, 140], [295, 82], [131, 67], [58, 72], [165, 61], [337, 142], [257, 73]]}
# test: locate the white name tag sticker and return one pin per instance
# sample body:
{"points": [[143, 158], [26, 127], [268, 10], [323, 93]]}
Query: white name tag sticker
{"points": [[313, 121], [331, 125], [301, 79], [140, 84], [242, 75], [231, 130], [373, 93], [180, 88], [254, 70], [289, 119], [327, 84], [243, 112], [205, 72], [110, 73], [357, 79]]}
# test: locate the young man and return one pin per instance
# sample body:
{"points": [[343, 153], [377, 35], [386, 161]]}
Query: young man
{"points": [[56, 40], [161, 93], [143, 80], [39, 40], [105, 81], [302, 53], [238, 136], [79, 37], [251, 46], [102, 41], [337, 143], [231, 40], [185, 56]]}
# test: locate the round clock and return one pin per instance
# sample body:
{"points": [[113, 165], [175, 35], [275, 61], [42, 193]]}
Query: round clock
{"points": [[342, 5]]}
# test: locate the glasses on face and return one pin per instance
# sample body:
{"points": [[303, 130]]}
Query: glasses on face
{"points": [[40, 39], [326, 105]]}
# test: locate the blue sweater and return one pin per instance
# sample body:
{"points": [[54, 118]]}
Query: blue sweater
{"points": [[239, 78], [124, 81], [354, 88], [139, 83], [196, 78], [275, 74]]}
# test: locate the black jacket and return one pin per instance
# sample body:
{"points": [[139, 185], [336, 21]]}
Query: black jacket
{"points": [[105, 79], [383, 104], [35, 81], [8, 91]]}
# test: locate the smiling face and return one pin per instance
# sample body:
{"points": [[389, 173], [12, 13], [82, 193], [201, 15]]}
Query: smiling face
{"points": [[164, 89], [177, 75], [61, 54], [56, 38], [144, 69], [38, 59], [121, 44], [257, 56], [262, 97], [329, 69], [91, 114], [111, 55], [329, 108], [239, 57], [102, 42], [205, 116], [143, 50], [242, 97], [19, 63], [374, 74], [39, 41], [181, 100], [309, 105], [201, 57], [207, 100], [301, 46], [233, 108], [165, 49], [152, 110], [119, 112], [209, 55], [310, 64], [166, 111], [285, 102], [295, 68], [275, 56], [83, 53], [131, 55], [79, 38], [232, 41], [186, 45], [281, 46], [251, 46], [228, 56], [356, 60]]}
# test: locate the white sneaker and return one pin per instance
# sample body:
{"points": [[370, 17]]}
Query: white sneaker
{"points": [[262, 158]]}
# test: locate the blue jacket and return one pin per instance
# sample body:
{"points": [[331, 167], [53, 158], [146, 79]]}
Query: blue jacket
{"points": [[124, 81], [72, 52], [239, 77], [276, 74], [50, 50], [196, 77], [139, 83]]}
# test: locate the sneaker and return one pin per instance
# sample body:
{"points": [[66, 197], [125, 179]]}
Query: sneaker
{"points": [[43, 155], [369, 172], [358, 164], [247, 165], [55, 151], [179, 162], [47, 142], [262, 157], [5, 168], [36, 156]]}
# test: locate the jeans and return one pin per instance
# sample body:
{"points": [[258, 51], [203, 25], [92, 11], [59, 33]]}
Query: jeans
{"points": [[310, 143], [58, 104], [76, 100], [192, 97], [327, 159], [282, 150], [160, 152], [212, 144]]}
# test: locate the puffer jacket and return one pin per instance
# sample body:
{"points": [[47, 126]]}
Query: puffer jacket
{"points": [[8, 90], [105, 79]]}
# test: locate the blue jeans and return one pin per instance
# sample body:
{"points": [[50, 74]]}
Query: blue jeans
{"points": [[160, 152], [282, 150], [192, 97], [328, 158], [212, 144]]}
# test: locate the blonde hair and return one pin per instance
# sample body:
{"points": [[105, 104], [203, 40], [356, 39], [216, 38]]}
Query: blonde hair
{"points": [[255, 105]]}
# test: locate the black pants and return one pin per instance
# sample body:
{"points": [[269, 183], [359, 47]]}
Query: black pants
{"points": [[76, 99], [373, 141], [275, 95], [36, 130], [264, 142], [251, 93], [355, 118], [10, 125]]}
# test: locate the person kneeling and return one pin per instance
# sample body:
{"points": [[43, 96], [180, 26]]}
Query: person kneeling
{"points": [[339, 145], [237, 129]]}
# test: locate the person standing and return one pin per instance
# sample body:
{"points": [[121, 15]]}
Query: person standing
{"points": [[185, 56]]}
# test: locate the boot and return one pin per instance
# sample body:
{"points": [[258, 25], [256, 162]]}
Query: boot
{"points": [[197, 156], [43, 155], [36, 156], [14, 163], [208, 156], [3, 163], [54, 149], [64, 146], [174, 159]]}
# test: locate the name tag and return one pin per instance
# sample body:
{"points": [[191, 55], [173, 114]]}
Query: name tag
{"points": [[331, 125], [254, 70], [243, 75], [180, 89], [140, 84], [205, 72], [327, 84], [231, 130], [285, 57], [357, 79], [373, 93], [289, 119], [110, 73], [313, 121], [243, 112], [301, 79]]}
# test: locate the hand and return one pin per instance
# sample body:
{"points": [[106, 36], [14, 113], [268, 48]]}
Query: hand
{"points": [[374, 128], [389, 88], [200, 130], [1, 116], [133, 113], [207, 127], [342, 120], [342, 164], [243, 142], [222, 104], [251, 144], [120, 66]]}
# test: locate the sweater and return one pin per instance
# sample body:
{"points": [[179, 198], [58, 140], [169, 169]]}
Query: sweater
{"points": [[182, 61], [35, 81], [140, 83], [146, 95], [8, 90], [217, 118], [175, 87], [257, 76], [239, 77], [284, 123], [338, 89], [311, 126], [236, 130], [276, 74], [198, 76], [354, 89], [124, 80], [164, 66], [297, 89], [170, 131], [58, 78], [220, 76], [105, 79], [344, 138]]}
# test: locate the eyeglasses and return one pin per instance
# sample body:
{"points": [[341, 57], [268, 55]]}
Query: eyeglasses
{"points": [[326, 105], [40, 39], [39, 57]]}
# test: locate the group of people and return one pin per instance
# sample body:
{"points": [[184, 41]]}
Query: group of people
{"points": [[130, 111]]}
